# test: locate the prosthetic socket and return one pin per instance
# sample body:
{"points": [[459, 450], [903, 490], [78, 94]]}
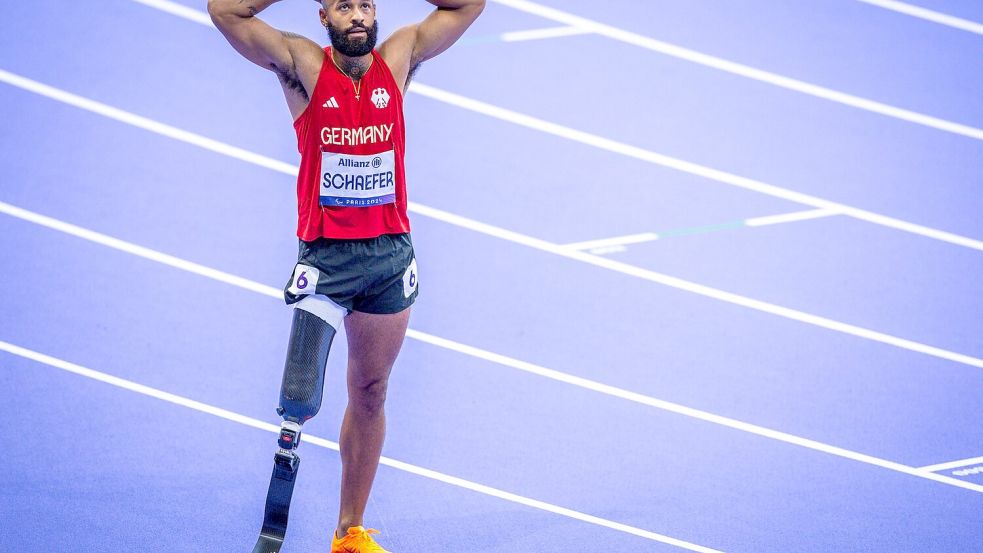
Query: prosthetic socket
{"points": [[303, 379], [300, 400]]}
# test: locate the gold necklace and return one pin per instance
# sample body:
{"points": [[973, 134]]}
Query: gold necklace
{"points": [[356, 86]]}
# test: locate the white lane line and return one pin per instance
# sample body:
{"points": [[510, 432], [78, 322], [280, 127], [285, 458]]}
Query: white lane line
{"points": [[670, 162], [743, 70], [179, 10], [686, 166], [928, 15], [698, 414], [512, 236], [700, 289], [145, 123], [139, 251], [790, 217], [539, 34], [608, 249], [328, 444], [952, 464], [203, 18], [616, 241], [486, 355]]}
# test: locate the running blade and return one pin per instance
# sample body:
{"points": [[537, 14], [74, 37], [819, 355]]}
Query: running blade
{"points": [[268, 544], [285, 467]]}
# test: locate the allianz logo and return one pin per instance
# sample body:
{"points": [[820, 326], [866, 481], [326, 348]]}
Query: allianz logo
{"points": [[348, 162]]}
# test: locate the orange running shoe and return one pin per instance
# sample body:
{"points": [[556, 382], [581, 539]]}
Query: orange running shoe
{"points": [[357, 540]]}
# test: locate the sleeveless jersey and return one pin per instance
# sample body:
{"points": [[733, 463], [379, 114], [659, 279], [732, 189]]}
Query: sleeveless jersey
{"points": [[351, 182]]}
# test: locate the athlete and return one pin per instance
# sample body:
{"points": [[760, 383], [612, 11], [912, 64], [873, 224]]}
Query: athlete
{"points": [[356, 261]]}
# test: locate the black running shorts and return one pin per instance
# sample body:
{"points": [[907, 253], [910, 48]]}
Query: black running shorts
{"points": [[374, 275]]}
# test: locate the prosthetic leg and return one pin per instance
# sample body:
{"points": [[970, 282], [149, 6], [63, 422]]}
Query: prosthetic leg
{"points": [[300, 399]]}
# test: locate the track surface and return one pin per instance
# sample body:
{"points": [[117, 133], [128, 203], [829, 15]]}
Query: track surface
{"points": [[789, 387]]}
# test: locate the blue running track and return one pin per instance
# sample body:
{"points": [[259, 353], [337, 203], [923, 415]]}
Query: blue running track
{"points": [[618, 346]]}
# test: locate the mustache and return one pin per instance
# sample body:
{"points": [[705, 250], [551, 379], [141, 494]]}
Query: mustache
{"points": [[356, 27]]}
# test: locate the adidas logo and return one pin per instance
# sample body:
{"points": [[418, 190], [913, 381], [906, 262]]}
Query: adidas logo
{"points": [[332, 103]]}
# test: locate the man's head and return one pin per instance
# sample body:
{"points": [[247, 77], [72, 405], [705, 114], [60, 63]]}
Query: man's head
{"points": [[351, 25]]}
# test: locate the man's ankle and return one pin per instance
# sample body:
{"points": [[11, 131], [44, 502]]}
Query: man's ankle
{"points": [[342, 530]]}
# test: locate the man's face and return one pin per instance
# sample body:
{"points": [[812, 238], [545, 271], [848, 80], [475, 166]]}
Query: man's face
{"points": [[351, 25]]}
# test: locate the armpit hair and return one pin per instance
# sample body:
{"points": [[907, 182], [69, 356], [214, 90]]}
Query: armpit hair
{"points": [[288, 34], [289, 79], [413, 72]]}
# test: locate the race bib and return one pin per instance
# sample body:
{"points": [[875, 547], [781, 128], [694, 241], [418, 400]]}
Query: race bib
{"points": [[349, 180], [410, 278], [304, 281]]}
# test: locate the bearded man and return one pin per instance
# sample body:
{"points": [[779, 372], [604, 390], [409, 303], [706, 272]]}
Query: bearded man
{"points": [[356, 263]]}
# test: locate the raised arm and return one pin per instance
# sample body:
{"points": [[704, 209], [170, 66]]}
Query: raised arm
{"points": [[293, 58], [252, 37], [412, 45]]}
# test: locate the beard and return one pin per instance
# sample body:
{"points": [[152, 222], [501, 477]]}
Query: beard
{"points": [[353, 48]]}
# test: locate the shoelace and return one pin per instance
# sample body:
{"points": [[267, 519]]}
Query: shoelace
{"points": [[366, 543]]}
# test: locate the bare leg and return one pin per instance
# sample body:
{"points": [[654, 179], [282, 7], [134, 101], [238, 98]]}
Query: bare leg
{"points": [[373, 344]]}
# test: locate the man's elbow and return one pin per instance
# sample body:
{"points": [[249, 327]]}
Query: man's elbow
{"points": [[215, 7], [473, 7], [221, 10]]}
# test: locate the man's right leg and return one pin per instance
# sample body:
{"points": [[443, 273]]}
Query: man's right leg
{"points": [[311, 333]]}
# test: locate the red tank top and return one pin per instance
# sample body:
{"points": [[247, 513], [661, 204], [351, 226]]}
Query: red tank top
{"points": [[351, 182]]}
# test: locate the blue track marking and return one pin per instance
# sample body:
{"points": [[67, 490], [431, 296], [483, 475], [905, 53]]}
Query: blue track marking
{"points": [[971, 473], [841, 268]]}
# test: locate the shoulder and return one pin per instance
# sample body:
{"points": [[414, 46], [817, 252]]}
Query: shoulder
{"points": [[304, 51], [397, 52]]}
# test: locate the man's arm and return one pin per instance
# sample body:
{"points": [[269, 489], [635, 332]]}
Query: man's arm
{"points": [[412, 45], [250, 36], [257, 41], [443, 27]]}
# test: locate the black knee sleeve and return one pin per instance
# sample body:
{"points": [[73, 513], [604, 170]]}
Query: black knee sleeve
{"points": [[303, 373]]}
